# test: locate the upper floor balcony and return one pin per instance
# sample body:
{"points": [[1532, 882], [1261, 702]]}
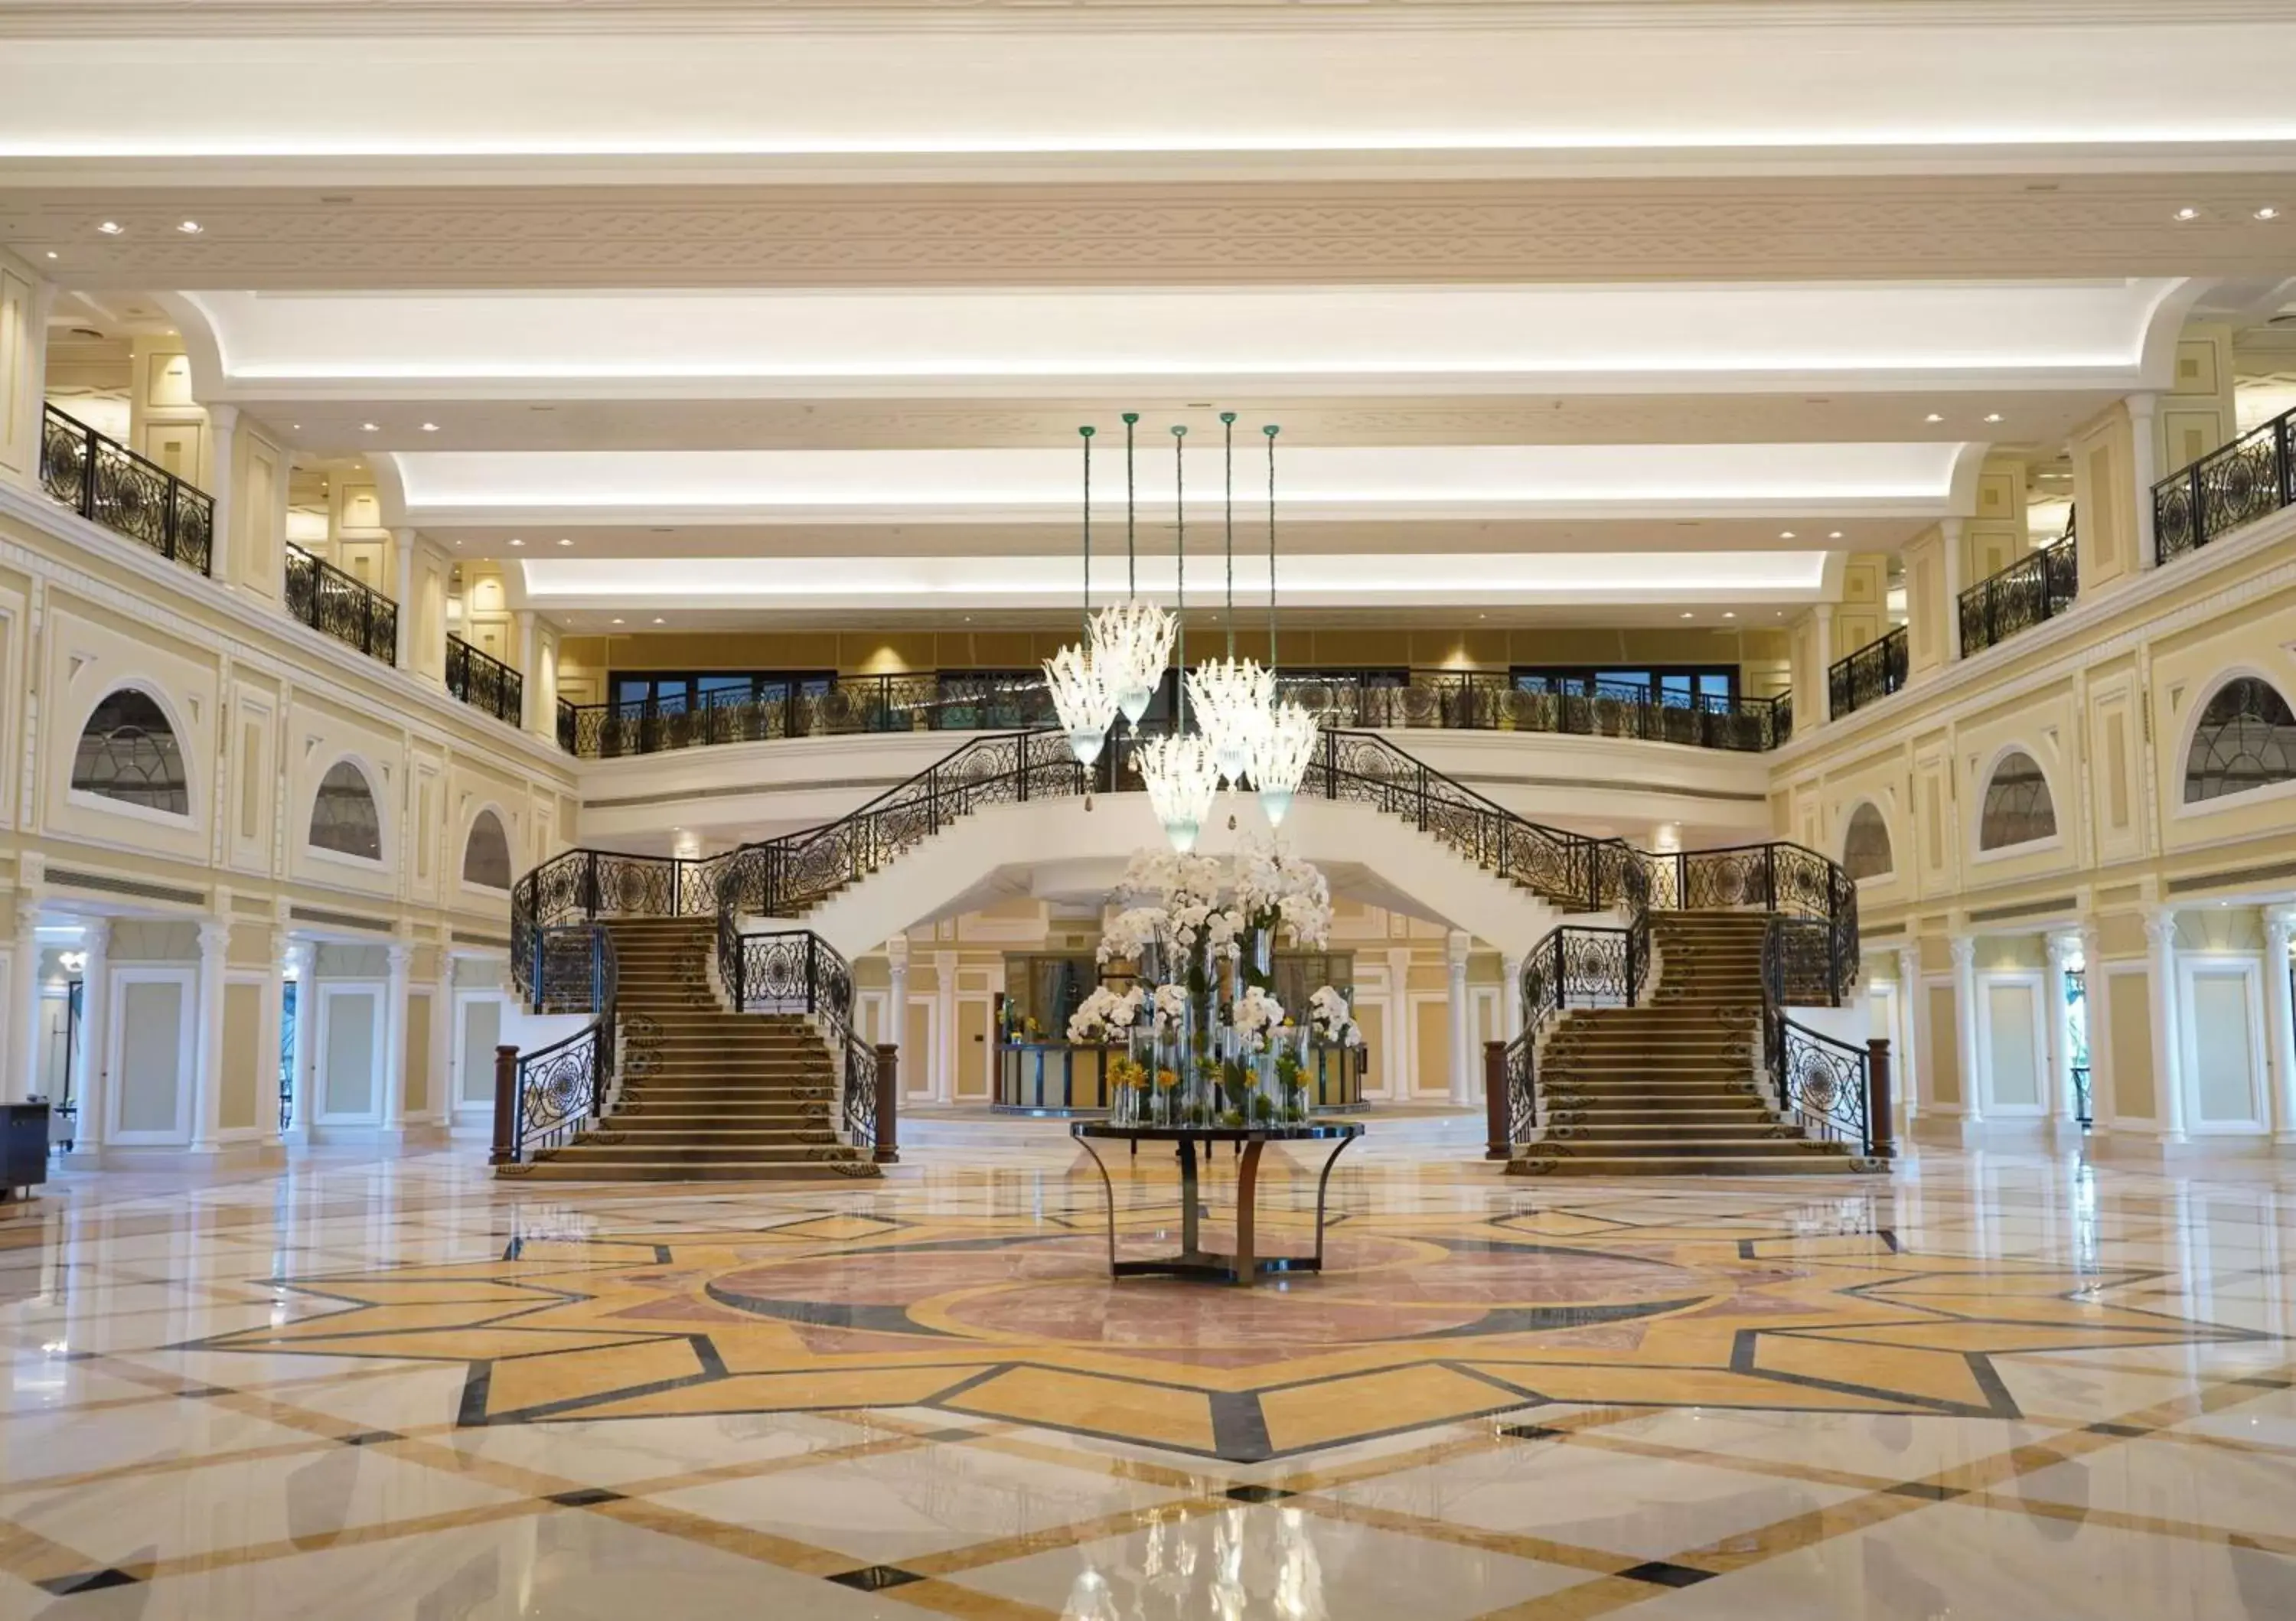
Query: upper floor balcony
{"points": [[2037, 587], [341, 605], [1867, 676], [2251, 478], [104, 481]]}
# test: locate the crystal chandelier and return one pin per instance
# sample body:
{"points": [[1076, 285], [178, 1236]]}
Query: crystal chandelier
{"points": [[1286, 740], [1233, 696], [1132, 640], [1082, 696], [1181, 780]]}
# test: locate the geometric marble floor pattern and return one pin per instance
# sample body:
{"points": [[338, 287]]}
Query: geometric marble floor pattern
{"points": [[1983, 1387]]}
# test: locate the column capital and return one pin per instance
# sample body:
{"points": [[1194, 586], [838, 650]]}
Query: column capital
{"points": [[299, 955], [2161, 926], [95, 934], [2062, 944], [28, 916], [215, 935], [1909, 962], [401, 954], [2141, 405], [1456, 945], [1963, 948], [896, 951], [2279, 927]]}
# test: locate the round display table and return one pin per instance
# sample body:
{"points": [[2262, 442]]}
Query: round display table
{"points": [[1246, 1266]]}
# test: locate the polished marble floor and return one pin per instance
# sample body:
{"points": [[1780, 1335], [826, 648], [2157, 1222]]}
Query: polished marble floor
{"points": [[1987, 1387]]}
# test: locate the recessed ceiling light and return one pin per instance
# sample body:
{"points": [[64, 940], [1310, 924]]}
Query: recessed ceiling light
{"points": [[1836, 534], [371, 426], [1993, 416], [1686, 613], [563, 542], [294, 427], [660, 621], [1932, 417], [2188, 213], [1729, 615], [430, 427], [191, 228], [516, 542], [51, 253], [617, 621], [2268, 212], [1785, 534], [111, 227]]}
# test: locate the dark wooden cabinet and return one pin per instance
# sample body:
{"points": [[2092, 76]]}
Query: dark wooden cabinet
{"points": [[23, 1146]]}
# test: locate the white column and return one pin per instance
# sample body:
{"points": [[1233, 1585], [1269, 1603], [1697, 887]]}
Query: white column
{"points": [[95, 1058], [1821, 644], [293, 962], [2280, 1023], [2160, 975], [2063, 1126], [269, 1032], [23, 1022], [394, 1038], [1964, 1026], [305, 955], [402, 591], [1951, 529], [897, 998], [1455, 947], [1511, 998], [206, 1052], [223, 426], [2143, 472], [1912, 1001], [1401, 1059], [2097, 995], [529, 639], [945, 1024], [438, 1101]]}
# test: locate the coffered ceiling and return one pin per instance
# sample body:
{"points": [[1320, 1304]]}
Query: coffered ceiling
{"points": [[1607, 308]]}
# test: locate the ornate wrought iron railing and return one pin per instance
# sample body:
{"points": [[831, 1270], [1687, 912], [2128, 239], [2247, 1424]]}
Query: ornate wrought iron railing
{"points": [[1868, 676], [341, 605], [794, 970], [2251, 478], [1571, 967], [584, 885], [948, 700], [563, 1087], [103, 480], [1835, 1092], [2038, 586], [484, 682], [957, 701], [1817, 899]]}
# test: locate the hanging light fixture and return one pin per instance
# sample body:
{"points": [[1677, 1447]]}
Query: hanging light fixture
{"points": [[1178, 767], [1081, 694], [1131, 641], [1232, 697], [1286, 740]]}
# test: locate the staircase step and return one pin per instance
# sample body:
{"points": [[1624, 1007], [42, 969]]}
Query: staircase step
{"points": [[1625, 1165], [554, 1170]]}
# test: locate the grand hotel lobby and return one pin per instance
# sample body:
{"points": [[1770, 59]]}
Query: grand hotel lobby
{"points": [[1452, 810]]}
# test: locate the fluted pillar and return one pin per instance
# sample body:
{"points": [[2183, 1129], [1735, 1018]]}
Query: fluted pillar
{"points": [[897, 1011], [2144, 472], [94, 1056], [1964, 1029], [207, 1036], [1910, 1002], [1950, 529], [23, 1021], [2280, 1023], [2168, 1065], [2063, 1128], [1455, 947], [394, 1037]]}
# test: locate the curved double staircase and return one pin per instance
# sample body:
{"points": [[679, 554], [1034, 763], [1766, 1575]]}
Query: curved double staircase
{"points": [[732, 1051]]}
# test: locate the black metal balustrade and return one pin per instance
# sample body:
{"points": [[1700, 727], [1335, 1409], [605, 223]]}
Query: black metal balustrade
{"points": [[956, 701], [341, 605], [2251, 478], [565, 1085], [2038, 586], [1833, 1091], [486, 683], [1867, 676], [103, 480], [795, 970]]}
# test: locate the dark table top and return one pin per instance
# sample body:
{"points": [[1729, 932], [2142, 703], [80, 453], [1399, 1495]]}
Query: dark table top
{"points": [[1302, 1132]]}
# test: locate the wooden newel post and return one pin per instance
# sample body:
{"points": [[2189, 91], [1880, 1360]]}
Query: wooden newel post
{"points": [[1498, 1109], [1880, 1131], [889, 1105], [505, 1145]]}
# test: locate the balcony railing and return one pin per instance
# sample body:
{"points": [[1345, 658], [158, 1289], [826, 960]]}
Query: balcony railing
{"points": [[486, 683], [2251, 478], [1867, 676], [341, 605], [1488, 701], [103, 480], [2039, 585]]}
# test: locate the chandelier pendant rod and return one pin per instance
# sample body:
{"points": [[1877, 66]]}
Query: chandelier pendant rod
{"points": [[1227, 428], [1271, 430], [1131, 567], [1086, 432], [1180, 559]]}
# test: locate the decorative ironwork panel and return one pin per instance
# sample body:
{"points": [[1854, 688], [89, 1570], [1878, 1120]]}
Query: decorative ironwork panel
{"points": [[1869, 674], [2036, 587], [2250, 479], [342, 606], [1821, 1083], [487, 684], [101, 479]]}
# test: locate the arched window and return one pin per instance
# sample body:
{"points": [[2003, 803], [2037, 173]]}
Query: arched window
{"points": [[1866, 850], [344, 818], [2246, 740], [485, 855], [129, 752], [2018, 809]]}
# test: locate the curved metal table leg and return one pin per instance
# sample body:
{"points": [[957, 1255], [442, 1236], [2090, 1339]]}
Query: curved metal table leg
{"points": [[1323, 1184], [1108, 1189]]}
